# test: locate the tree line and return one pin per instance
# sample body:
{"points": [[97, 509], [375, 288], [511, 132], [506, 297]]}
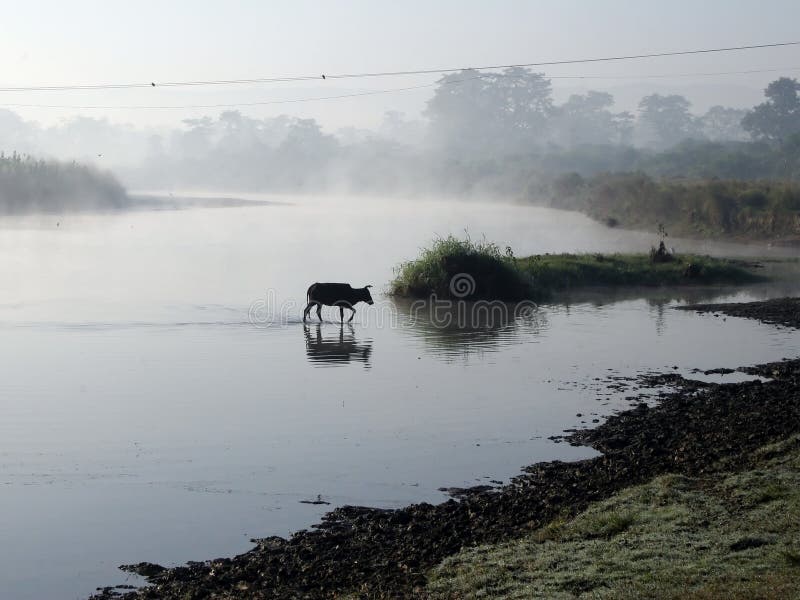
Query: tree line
{"points": [[513, 110], [481, 131]]}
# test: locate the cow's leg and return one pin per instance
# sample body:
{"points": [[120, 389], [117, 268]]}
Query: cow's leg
{"points": [[353, 314], [307, 310], [319, 311], [341, 314]]}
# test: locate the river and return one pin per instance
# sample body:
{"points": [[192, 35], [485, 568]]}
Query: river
{"points": [[161, 399]]}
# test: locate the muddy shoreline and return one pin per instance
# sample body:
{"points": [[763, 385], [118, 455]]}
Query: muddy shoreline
{"points": [[780, 311], [385, 553]]}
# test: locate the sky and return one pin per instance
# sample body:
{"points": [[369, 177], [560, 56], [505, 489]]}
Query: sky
{"points": [[112, 41]]}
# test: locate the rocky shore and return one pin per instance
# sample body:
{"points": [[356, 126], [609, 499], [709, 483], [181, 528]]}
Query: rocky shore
{"points": [[780, 311], [367, 552]]}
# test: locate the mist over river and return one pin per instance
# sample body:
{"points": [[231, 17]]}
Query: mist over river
{"points": [[151, 413]]}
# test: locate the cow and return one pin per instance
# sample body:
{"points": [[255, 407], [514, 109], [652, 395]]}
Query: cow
{"points": [[342, 295]]}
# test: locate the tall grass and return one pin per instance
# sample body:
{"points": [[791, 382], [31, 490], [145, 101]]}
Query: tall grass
{"points": [[462, 268], [708, 208], [30, 185]]}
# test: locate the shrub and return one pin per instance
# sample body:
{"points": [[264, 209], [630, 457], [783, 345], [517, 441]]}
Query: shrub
{"points": [[461, 268]]}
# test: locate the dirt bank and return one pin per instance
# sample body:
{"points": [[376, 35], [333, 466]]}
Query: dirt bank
{"points": [[386, 553]]}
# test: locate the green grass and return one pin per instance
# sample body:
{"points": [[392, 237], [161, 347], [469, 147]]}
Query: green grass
{"points": [[441, 267], [495, 275], [562, 271], [733, 535]]}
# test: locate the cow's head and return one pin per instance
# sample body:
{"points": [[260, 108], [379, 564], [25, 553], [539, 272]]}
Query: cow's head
{"points": [[367, 297]]}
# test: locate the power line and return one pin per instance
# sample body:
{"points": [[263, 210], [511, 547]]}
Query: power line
{"points": [[384, 91], [571, 61], [675, 75], [231, 105], [153, 84]]}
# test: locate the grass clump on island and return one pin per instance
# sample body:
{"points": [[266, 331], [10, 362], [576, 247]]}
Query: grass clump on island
{"points": [[734, 535], [462, 268]]}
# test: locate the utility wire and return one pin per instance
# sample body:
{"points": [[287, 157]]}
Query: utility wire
{"points": [[675, 75], [153, 84], [571, 61], [235, 104], [385, 91]]}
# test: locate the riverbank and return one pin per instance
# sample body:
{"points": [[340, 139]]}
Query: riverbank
{"points": [[730, 534], [702, 208], [780, 311], [698, 430]]}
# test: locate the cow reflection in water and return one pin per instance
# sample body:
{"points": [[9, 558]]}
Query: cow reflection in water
{"points": [[336, 348]]}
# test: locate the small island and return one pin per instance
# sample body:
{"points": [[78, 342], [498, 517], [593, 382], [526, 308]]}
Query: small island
{"points": [[465, 269]]}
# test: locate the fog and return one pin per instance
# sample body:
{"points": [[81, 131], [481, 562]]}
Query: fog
{"points": [[480, 132], [97, 94]]}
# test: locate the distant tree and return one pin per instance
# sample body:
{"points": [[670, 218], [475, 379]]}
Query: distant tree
{"points": [[302, 160], [306, 139], [666, 119], [393, 121], [16, 134], [492, 113], [524, 99], [396, 127], [721, 123], [197, 140], [237, 133], [587, 119], [778, 117], [624, 123], [353, 136]]}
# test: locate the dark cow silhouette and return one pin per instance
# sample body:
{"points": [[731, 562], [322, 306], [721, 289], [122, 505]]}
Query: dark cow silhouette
{"points": [[342, 295]]}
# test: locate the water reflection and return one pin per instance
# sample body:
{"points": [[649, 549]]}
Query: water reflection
{"points": [[654, 296], [465, 328], [338, 349], [460, 329]]}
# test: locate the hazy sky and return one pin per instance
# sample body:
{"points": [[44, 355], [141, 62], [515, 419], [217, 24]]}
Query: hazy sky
{"points": [[107, 41]]}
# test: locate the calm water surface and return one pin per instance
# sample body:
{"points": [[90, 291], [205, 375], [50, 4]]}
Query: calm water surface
{"points": [[145, 416]]}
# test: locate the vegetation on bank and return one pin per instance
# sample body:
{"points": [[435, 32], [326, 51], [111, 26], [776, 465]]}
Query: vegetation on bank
{"points": [[29, 185], [733, 535], [711, 208], [690, 159], [464, 269], [553, 272]]}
